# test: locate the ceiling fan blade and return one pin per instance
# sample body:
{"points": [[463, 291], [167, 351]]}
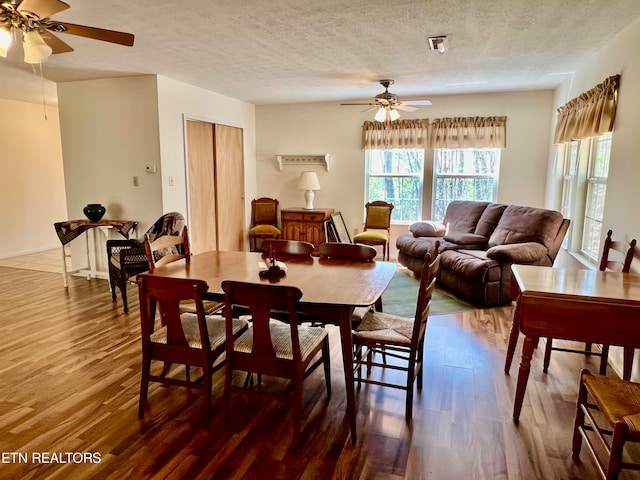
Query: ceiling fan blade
{"points": [[41, 8], [369, 109], [405, 108], [358, 103], [112, 36], [57, 45], [418, 102]]}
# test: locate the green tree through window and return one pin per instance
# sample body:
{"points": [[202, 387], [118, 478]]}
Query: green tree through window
{"points": [[395, 176]]}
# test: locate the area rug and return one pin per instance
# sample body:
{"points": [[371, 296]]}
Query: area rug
{"points": [[402, 293]]}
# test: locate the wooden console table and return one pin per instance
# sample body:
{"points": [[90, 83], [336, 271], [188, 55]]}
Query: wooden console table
{"points": [[72, 229], [304, 225]]}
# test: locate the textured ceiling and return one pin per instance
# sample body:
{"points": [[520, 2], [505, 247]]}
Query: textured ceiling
{"points": [[284, 51]]}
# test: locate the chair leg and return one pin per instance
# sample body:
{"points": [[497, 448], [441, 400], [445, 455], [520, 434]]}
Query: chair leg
{"points": [[604, 357], [628, 363], [123, 292], [547, 355], [208, 380], [297, 411], [113, 287], [144, 384], [408, 409], [326, 360], [228, 371], [615, 456], [579, 422], [587, 348]]}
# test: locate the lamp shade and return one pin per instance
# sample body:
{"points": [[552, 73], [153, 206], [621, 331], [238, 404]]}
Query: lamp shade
{"points": [[308, 181], [35, 48]]}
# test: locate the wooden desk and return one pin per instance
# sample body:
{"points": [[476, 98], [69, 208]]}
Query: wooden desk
{"points": [[331, 289], [580, 305]]}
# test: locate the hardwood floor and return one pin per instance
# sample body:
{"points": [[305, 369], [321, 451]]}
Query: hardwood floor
{"points": [[69, 383]]}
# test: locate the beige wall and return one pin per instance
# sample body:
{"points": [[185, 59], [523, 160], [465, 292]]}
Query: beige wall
{"points": [[32, 189], [178, 101], [619, 56], [112, 128], [109, 131], [331, 128]]}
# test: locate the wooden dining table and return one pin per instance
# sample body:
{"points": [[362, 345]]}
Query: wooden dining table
{"points": [[570, 304], [331, 289]]}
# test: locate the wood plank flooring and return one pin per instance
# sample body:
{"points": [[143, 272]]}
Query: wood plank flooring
{"points": [[69, 383]]}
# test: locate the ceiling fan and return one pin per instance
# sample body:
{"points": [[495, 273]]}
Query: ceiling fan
{"points": [[387, 104], [31, 17]]}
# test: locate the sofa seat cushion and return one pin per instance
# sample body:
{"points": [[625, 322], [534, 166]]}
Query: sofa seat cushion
{"points": [[466, 240], [473, 265], [418, 247]]}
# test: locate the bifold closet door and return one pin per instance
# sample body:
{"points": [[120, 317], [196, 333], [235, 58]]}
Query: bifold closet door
{"points": [[215, 177]]}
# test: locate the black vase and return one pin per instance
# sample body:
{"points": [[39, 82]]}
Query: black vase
{"points": [[94, 211]]}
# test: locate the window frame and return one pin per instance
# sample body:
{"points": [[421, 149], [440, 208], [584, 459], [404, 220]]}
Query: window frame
{"points": [[437, 176], [417, 175]]}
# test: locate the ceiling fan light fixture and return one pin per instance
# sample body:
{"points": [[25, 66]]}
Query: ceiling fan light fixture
{"points": [[381, 114], [5, 40], [35, 48], [393, 114]]}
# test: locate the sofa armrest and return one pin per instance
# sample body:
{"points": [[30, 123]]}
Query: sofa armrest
{"points": [[428, 228], [528, 252]]}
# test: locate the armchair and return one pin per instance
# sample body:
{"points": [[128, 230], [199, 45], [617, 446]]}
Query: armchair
{"points": [[127, 258]]}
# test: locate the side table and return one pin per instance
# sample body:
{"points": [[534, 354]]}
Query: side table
{"points": [[72, 229]]}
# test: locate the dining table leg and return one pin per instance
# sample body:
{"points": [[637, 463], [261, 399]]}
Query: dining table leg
{"points": [[346, 339], [528, 347], [513, 340]]}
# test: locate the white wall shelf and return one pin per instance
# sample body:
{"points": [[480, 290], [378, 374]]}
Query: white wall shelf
{"points": [[304, 160]]}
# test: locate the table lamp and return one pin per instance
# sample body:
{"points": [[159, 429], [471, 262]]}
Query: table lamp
{"points": [[308, 182]]}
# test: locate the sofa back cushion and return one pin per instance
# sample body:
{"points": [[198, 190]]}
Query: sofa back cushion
{"points": [[526, 224], [462, 216], [489, 219]]}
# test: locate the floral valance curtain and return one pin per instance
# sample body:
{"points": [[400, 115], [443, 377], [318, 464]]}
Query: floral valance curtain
{"points": [[397, 134], [458, 132], [590, 114], [469, 132]]}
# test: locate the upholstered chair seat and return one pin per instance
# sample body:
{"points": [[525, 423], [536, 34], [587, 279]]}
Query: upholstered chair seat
{"points": [[215, 327], [310, 338]]}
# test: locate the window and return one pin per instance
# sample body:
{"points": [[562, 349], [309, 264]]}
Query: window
{"points": [[464, 174], [596, 191], [395, 176]]}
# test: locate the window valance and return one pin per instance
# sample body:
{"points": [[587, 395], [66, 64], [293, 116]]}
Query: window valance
{"points": [[469, 132], [397, 134], [457, 132], [590, 114]]}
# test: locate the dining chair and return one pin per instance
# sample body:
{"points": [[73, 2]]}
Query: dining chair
{"points": [[607, 417], [288, 247], [127, 258], [377, 224], [194, 340], [397, 337], [270, 348], [353, 252], [616, 257], [170, 248], [264, 220]]}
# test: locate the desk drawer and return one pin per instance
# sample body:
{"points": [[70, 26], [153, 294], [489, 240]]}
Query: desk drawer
{"points": [[313, 217], [292, 216]]}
